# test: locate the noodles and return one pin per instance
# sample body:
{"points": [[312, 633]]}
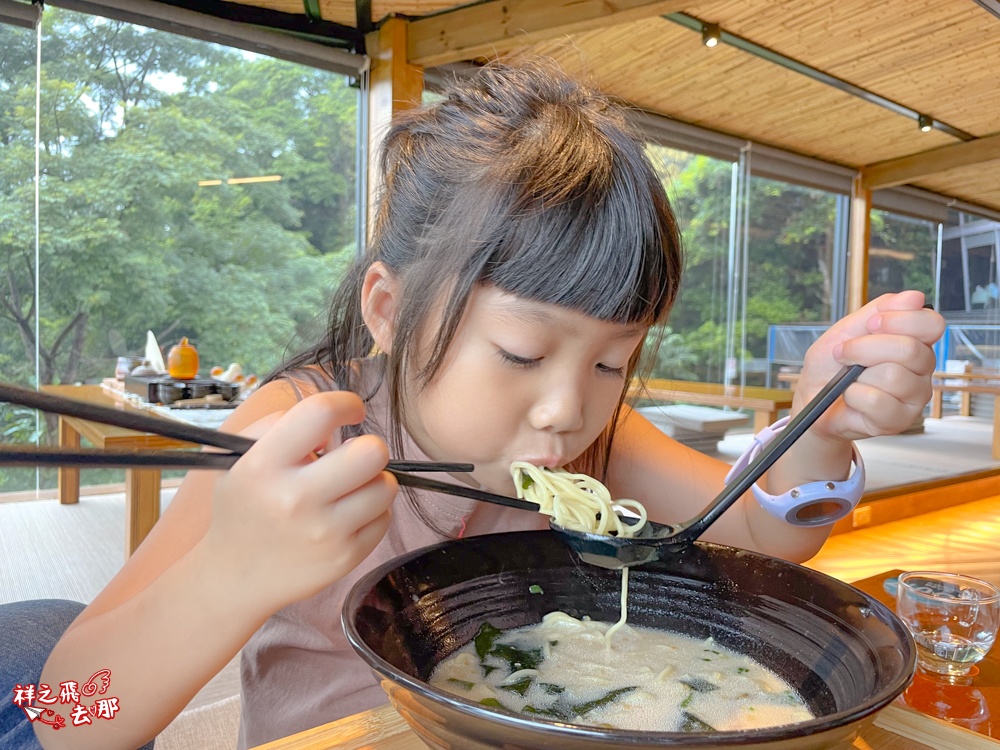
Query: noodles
{"points": [[575, 501], [580, 503], [624, 612]]}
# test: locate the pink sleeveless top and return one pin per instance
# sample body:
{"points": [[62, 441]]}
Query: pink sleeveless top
{"points": [[298, 671]]}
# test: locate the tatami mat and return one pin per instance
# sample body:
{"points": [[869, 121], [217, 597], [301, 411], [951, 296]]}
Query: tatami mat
{"points": [[953, 445], [53, 551]]}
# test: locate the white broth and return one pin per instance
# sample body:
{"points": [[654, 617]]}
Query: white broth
{"points": [[641, 679]]}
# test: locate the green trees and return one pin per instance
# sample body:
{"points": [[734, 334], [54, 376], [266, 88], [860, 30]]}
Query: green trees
{"points": [[790, 246], [131, 121]]}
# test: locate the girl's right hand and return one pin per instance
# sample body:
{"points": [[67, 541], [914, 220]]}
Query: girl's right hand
{"points": [[290, 522]]}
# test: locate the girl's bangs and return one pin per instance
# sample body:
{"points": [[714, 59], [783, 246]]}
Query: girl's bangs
{"points": [[603, 256]]}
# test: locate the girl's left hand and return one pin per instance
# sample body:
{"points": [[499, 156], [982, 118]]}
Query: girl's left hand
{"points": [[892, 337]]}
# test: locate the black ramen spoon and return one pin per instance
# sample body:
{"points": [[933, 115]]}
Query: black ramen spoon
{"points": [[655, 539]]}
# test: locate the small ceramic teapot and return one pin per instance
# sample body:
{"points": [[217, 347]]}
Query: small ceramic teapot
{"points": [[182, 361]]}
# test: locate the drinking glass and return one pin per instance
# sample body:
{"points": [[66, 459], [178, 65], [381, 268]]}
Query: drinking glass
{"points": [[953, 619]]}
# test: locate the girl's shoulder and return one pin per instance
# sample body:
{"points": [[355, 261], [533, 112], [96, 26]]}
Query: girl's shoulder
{"points": [[280, 394], [308, 380], [364, 376]]}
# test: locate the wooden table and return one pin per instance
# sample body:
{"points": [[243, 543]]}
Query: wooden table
{"points": [[792, 378], [963, 714], [765, 403], [899, 726], [142, 486], [970, 382]]}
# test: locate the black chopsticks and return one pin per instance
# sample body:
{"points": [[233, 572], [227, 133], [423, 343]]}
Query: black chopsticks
{"points": [[19, 455], [131, 420], [237, 445]]}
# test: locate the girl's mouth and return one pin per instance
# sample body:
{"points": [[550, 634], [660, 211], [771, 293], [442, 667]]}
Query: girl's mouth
{"points": [[549, 461]]}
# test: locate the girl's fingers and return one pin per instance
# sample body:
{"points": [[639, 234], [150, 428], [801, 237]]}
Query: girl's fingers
{"points": [[875, 350], [858, 322], [899, 383], [890, 406], [926, 326], [872, 411], [364, 507], [346, 468], [307, 425], [367, 538]]}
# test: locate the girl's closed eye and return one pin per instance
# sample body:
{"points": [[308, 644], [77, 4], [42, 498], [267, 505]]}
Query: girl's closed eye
{"points": [[616, 372], [516, 361]]}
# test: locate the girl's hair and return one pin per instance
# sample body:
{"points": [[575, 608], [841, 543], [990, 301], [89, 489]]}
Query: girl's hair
{"points": [[522, 179]]}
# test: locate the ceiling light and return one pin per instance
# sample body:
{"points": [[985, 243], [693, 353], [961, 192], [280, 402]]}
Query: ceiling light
{"points": [[241, 180], [248, 180], [710, 34], [925, 122]]}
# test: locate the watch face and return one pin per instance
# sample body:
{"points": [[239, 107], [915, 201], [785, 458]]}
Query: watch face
{"points": [[823, 510], [810, 504]]}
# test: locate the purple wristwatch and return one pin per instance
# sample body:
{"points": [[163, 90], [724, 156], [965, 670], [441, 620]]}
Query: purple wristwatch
{"points": [[811, 504]]}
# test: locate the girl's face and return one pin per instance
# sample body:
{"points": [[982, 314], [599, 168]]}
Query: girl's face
{"points": [[522, 381]]}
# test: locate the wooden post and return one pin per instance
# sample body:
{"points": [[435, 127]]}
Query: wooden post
{"points": [[68, 476], [394, 85], [142, 505], [859, 238]]}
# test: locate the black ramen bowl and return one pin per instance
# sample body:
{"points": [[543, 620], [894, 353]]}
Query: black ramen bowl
{"points": [[844, 652]]}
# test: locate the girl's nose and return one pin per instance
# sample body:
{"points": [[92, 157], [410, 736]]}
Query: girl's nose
{"points": [[559, 409]]}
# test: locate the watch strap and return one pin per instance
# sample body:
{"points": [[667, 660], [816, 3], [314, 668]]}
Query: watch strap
{"points": [[811, 504]]}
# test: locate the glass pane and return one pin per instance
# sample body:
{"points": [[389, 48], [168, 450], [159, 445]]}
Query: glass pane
{"points": [[790, 268], [188, 189], [789, 273], [901, 254], [17, 238], [699, 191]]}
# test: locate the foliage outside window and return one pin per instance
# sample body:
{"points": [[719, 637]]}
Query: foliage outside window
{"points": [[901, 254], [790, 256], [144, 222]]}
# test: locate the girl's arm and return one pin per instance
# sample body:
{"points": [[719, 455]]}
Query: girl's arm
{"points": [[231, 549], [891, 336], [675, 483]]}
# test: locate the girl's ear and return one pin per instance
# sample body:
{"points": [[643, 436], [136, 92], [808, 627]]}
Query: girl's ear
{"points": [[380, 304]]}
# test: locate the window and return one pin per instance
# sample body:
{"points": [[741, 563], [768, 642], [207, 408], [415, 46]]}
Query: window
{"points": [[901, 254], [186, 188], [790, 243], [18, 53]]}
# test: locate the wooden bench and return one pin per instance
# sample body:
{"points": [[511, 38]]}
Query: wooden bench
{"points": [[968, 383], [966, 389], [765, 403], [700, 427]]}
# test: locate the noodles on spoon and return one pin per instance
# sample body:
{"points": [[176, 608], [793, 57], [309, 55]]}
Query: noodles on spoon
{"points": [[575, 501]]}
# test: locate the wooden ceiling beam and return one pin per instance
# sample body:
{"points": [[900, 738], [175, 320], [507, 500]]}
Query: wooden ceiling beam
{"points": [[479, 30], [893, 172]]}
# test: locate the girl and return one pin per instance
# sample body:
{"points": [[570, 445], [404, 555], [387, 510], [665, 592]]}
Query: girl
{"points": [[523, 248]]}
